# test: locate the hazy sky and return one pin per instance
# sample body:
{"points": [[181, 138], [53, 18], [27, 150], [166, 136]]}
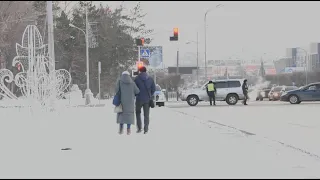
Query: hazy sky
{"points": [[238, 29]]}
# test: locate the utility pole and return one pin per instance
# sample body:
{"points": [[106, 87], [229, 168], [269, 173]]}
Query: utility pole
{"points": [[197, 59], [175, 37], [99, 79], [87, 49], [205, 45], [88, 92], [177, 62], [139, 58], [50, 36], [177, 73], [52, 63], [307, 59]]}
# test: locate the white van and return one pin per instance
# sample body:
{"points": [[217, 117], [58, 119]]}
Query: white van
{"points": [[229, 90], [159, 95]]}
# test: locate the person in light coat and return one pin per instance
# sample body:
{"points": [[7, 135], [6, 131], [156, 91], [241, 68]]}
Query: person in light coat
{"points": [[128, 91]]}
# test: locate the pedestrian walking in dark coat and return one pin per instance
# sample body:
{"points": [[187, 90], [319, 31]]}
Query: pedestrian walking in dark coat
{"points": [[211, 90], [245, 92], [147, 88], [128, 90]]}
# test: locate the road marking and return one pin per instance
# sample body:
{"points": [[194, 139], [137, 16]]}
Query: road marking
{"points": [[249, 133], [300, 125]]}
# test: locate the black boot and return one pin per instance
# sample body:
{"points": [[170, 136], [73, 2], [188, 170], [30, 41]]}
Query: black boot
{"points": [[121, 131]]}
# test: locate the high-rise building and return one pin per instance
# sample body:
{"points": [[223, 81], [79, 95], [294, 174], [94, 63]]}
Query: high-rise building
{"points": [[291, 57], [313, 59], [291, 52], [283, 63]]}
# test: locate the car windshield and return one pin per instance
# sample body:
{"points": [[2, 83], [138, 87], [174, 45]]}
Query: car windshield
{"points": [[277, 89]]}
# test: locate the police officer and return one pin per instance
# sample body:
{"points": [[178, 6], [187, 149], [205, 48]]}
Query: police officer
{"points": [[245, 92], [211, 92]]}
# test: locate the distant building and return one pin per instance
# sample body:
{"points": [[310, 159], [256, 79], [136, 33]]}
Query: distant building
{"points": [[283, 63], [313, 60], [291, 53]]}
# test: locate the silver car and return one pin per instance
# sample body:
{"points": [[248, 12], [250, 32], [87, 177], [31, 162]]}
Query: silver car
{"points": [[229, 90]]}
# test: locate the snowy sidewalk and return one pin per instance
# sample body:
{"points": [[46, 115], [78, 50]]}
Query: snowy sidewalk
{"points": [[177, 146]]}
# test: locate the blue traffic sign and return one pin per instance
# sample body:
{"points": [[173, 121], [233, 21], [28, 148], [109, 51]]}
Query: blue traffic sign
{"points": [[144, 53]]}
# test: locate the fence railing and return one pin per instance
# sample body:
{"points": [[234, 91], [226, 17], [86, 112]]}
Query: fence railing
{"points": [[172, 96]]}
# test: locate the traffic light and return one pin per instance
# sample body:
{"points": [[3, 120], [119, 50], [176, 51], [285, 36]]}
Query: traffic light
{"points": [[175, 32], [136, 72], [140, 42], [175, 35]]}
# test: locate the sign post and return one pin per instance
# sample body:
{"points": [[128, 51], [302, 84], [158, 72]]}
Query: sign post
{"points": [[139, 53], [99, 69], [155, 82]]}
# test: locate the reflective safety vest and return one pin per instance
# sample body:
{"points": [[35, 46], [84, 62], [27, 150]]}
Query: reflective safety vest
{"points": [[210, 87]]}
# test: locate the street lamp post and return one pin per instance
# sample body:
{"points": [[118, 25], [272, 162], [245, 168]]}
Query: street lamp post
{"points": [[197, 42], [306, 63], [197, 59], [88, 92], [205, 39]]}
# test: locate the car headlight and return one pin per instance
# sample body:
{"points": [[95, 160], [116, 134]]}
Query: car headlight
{"points": [[284, 93]]}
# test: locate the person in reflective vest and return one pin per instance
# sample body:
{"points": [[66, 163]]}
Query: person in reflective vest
{"points": [[211, 90]]}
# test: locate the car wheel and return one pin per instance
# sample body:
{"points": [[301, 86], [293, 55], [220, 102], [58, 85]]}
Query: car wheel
{"points": [[257, 99], [192, 100], [294, 99], [232, 99], [261, 99]]}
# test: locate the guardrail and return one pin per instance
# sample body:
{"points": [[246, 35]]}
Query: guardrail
{"points": [[172, 96]]}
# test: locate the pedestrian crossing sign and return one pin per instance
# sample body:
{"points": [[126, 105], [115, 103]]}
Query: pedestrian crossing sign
{"points": [[144, 53]]}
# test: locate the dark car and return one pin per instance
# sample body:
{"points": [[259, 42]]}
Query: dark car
{"points": [[263, 93], [310, 92]]}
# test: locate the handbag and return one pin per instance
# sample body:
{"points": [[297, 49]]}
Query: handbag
{"points": [[117, 98], [118, 109], [151, 103]]}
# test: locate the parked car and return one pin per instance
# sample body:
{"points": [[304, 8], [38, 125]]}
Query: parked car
{"points": [[275, 93], [263, 93], [310, 92], [159, 95], [229, 90]]}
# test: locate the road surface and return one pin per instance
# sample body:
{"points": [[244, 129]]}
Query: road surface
{"points": [[185, 142]]}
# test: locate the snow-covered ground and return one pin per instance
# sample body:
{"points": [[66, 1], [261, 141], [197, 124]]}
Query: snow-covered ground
{"points": [[293, 125], [178, 145]]}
